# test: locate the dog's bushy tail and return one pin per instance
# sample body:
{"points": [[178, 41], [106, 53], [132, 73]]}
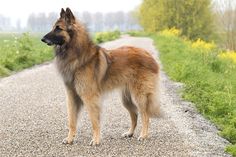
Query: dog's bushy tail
{"points": [[153, 104]]}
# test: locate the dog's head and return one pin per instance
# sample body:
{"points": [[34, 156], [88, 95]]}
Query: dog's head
{"points": [[62, 30]]}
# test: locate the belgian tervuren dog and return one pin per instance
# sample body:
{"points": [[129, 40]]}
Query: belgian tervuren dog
{"points": [[89, 70]]}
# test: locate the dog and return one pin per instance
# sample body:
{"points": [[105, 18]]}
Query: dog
{"points": [[88, 71]]}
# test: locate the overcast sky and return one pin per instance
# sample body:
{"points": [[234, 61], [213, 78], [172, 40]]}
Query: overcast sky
{"points": [[20, 9]]}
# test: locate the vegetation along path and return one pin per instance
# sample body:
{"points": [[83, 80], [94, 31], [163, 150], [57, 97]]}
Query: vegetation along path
{"points": [[33, 119]]}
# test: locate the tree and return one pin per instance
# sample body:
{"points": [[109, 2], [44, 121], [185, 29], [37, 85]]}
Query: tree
{"points": [[31, 23], [4, 23], [120, 19], [226, 22], [42, 22], [150, 15], [18, 25], [87, 18], [193, 17], [52, 17], [130, 21], [98, 21]]}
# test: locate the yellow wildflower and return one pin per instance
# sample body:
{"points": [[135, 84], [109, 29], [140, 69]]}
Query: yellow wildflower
{"points": [[171, 32], [201, 44], [228, 55]]}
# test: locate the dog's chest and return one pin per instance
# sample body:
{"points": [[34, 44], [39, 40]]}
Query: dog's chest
{"points": [[81, 79], [66, 69]]}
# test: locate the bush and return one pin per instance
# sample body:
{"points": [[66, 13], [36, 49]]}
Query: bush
{"points": [[106, 36]]}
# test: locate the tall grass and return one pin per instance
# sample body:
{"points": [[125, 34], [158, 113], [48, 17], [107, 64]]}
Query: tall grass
{"points": [[19, 51], [209, 78]]}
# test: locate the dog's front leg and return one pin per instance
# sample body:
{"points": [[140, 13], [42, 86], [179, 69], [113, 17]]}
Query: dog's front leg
{"points": [[74, 105], [92, 104]]}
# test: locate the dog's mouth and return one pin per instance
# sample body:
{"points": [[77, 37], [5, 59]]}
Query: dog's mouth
{"points": [[48, 42]]}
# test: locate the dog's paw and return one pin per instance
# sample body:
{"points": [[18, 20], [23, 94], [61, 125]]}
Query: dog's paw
{"points": [[142, 138], [94, 143], [127, 134], [66, 141]]}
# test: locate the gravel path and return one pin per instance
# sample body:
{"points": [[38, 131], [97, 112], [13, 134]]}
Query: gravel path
{"points": [[33, 119]]}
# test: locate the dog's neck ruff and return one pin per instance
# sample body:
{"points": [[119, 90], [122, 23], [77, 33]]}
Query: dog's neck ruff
{"points": [[60, 51]]}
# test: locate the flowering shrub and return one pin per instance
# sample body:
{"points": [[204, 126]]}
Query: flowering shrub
{"points": [[231, 55], [202, 45], [171, 32]]}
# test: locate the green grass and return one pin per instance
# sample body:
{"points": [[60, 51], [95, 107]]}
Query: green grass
{"points": [[210, 81], [20, 51], [138, 33], [101, 37]]}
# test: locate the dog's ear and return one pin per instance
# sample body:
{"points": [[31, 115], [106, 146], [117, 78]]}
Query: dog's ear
{"points": [[63, 13], [70, 18]]}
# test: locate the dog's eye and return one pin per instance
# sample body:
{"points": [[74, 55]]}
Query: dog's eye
{"points": [[58, 28]]}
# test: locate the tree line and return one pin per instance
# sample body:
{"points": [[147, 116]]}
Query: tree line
{"points": [[4, 22], [96, 22], [211, 20]]}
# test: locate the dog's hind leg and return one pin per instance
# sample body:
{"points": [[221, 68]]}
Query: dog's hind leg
{"points": [[74, 105], [142, 101], [130, 106]]}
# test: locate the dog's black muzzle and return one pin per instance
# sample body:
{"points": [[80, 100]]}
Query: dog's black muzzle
{"points": [[47, 41]]}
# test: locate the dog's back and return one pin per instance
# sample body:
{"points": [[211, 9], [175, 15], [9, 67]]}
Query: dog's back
{"points": [[136, 71]]}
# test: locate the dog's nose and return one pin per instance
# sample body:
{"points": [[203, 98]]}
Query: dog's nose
{"points": [[43, 39]]}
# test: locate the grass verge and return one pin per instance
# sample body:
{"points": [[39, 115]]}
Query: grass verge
{"points": [[209, 79], [20, 51]]}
